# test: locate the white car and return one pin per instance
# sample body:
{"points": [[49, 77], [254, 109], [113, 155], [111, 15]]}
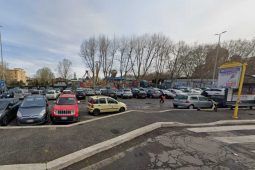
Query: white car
{"points": [[177, 92], [195, 92], [127, 93], [51, 94], [215, 91]]}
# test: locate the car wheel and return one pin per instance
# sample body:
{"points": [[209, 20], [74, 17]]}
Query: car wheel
{"points": [[191, 106], [122, 109], [4, 121], [175, 106], [96, 112]]}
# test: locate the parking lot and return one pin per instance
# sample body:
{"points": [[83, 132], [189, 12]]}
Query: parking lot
{"points": [[132, 104]]}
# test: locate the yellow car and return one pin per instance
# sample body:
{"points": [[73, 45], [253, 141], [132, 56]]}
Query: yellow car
{"points": [[102, 104]]}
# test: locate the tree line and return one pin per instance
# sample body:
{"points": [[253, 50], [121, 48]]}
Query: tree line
{"points": [[157, 56]]}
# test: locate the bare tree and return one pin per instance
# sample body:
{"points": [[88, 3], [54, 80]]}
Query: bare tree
{"points": [[163, 50], [240, 47], [88, 54], [64, 68]]}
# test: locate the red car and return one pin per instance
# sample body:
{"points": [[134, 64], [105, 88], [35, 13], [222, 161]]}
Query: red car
{"points": [[66, 109]]}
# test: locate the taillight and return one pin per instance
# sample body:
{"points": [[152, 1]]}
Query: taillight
{"points": [[92, 105]]}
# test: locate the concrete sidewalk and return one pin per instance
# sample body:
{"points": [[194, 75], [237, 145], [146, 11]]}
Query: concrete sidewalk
{"points": [[19, 146]]}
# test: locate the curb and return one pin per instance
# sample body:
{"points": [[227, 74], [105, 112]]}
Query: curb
{"points": [[82, 154]]}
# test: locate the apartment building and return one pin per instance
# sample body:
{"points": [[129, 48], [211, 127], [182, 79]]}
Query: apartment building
{"points": [[17, 74]]}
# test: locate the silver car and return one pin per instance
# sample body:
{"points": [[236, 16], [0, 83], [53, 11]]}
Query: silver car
{"points": [[192, 101], [33, 110]]}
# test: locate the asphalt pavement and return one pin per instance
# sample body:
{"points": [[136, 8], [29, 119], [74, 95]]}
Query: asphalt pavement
{"points": [[179, 148], [35, 145]]}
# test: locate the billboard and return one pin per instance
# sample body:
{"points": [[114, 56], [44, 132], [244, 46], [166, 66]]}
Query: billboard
{"points": [[229, 77]]}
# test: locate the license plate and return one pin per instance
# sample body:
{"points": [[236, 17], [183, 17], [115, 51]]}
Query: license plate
{"points": [[30, 121], [63, 118]]}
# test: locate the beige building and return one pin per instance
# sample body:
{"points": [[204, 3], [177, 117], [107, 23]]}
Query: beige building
{"points": [[17, 74]]}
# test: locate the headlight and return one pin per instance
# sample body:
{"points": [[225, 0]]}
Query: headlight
{"points": [[42, 112], [19, 114]]}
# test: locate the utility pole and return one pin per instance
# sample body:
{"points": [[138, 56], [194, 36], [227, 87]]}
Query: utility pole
{"points": [[217, 53], [2, 60]]}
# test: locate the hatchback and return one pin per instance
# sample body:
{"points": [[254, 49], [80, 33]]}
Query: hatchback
{"points": [[192, 101]]}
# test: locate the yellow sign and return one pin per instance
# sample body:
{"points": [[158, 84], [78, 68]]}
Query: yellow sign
{"points": [[237, 65]]}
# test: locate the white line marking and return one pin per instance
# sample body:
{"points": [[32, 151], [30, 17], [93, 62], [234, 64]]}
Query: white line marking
{"points": [[41, 166], [237, 139], [222, 128]]}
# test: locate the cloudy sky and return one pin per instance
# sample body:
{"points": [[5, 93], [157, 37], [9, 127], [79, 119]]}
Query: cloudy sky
{"points": [[39, 33]]}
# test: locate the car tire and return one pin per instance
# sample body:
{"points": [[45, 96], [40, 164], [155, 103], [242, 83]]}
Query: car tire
{"points": [[191, 106], [96, 112], [122, 109], [4, 121], [175, 106]]}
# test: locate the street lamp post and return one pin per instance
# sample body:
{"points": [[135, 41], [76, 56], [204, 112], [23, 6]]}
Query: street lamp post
{"points": [[2, 60], [217, 53]]}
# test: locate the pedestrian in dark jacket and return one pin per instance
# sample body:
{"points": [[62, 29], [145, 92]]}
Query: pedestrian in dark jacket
{"points": [[162, 98]]}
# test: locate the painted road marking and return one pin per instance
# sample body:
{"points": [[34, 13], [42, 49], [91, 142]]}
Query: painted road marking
{"points": [[222, 128], [237, 139]]}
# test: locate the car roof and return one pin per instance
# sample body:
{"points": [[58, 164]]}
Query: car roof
{"points": [[67, 95], [98, 97]]}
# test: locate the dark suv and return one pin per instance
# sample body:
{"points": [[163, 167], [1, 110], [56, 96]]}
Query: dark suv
{"points": [[109, 92]]}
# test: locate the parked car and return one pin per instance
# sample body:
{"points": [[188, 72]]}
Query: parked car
{"points": [[89, 92], [51, 94], [176, 92], [33, 110], [8, 110], [109, 92], [151, 93], [214, 91], [167, 94], [192, 101], [139, 93], [19, 94], [36, 92], [67, 91], [195, 92], [127, 93], [80, 95], [102, 104], [66, 109], [97, 92], [7, 95], [119, 92]]}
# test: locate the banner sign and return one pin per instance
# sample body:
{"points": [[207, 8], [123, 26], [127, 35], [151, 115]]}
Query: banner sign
{"points": [[229, 77]]}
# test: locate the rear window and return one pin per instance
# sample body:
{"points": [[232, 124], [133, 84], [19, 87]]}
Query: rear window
{"points": [[181, 97], [93, 101]]}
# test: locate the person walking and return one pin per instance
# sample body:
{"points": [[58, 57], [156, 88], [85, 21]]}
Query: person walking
{"points": [[162, 98]]}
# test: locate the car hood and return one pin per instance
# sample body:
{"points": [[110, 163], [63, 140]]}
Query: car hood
{"points": [[31, 111], [122, 104], [64, 107]]}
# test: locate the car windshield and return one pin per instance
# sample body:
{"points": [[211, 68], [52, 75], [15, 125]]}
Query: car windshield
{"points": [[66, 101], [3, 104], [33, 102]]}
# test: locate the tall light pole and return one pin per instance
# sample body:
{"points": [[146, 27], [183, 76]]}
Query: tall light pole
{"points": [[2, 60], [217, 53]]}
